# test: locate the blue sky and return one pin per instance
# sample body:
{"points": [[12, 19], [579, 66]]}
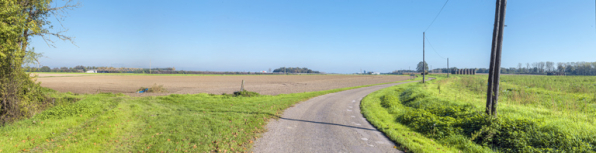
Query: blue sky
{"points": [[341, 36]]}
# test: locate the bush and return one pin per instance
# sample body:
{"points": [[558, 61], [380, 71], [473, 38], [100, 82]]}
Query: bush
{"points": [[246, 94], [70, 106], [154, 89], [389, 100]]}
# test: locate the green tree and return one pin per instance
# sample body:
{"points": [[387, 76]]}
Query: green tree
{"points": [[19, 21], [420, 68], [295, 70], [45, 69]]}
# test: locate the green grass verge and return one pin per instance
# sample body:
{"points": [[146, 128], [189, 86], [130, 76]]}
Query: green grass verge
{"points": [[447, 115], [176, 123]]}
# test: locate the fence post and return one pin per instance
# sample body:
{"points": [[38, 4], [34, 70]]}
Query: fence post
{"points": [[242, 86]]}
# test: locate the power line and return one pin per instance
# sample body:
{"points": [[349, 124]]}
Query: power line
{"points": [[431, 23], [431, 46]]}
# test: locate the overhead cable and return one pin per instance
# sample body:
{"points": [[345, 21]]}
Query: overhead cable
{"points": [[431, 23], [431, 46]]}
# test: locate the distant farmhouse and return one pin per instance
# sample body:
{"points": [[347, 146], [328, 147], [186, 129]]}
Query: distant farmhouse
{"points": [[91, 71]]}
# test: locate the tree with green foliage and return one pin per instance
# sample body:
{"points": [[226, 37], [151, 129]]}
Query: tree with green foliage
{"points": [[45, 69], [20, 20], [294, 70], [420, 67]]}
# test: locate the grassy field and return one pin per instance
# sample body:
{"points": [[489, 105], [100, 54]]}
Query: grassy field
{"points": [[536, 114], [109, 122]]}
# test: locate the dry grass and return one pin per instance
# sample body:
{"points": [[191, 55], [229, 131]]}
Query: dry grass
{"points": [[154, 89]]}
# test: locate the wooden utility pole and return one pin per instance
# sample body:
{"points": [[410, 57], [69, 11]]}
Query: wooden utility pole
{"points": [[495, 59], [423, 62], [149, 66]]}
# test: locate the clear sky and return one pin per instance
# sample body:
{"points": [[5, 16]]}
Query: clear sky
{"points": [[334, 36]]}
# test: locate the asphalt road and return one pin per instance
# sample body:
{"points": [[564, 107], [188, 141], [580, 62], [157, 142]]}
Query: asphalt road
{"points": [[328, 123]]}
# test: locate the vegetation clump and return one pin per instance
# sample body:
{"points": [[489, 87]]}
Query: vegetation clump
{"points": [[20, 21], [441, 119], [530, 120], [389, 100], [294, 70], [246, 94], [153, 89]]}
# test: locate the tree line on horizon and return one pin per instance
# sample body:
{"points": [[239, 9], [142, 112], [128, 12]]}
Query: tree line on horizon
{"points": [[294, 70], [169, 70], [105, 69], [541, 68]]}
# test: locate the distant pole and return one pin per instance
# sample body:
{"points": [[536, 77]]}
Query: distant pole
{"points": [[423, 61], [149, 66], [448, 69], [242, 86], [495, 60]]}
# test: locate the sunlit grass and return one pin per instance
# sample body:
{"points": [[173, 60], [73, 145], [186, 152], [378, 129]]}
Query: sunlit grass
{"points": [[176, 123], [549, 104]]}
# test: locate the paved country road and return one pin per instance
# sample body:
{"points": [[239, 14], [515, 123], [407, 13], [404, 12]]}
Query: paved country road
{"points": [[328, 123]]}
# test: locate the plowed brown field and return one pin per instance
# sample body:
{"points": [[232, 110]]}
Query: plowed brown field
{"points": [[268, 85]]}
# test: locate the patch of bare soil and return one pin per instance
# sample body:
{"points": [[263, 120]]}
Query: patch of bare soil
{"points": [[267, 85]]}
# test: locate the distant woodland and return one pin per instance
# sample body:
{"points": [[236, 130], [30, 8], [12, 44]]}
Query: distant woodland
{"points": [[542, 68], [169, 70], [294, 70]]}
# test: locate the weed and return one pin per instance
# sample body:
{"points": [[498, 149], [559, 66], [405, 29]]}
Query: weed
{"points": [[246, 94], [153, 89]]}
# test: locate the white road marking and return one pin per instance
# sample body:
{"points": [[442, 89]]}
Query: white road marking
{"points": [[349, 110], [353, 101], [365, 139], [354, 116], [350, 106]]}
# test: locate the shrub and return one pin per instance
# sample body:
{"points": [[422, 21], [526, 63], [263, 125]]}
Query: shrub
{"points": [[70, 106], [246, 94], [154, 89], [389, 100]]}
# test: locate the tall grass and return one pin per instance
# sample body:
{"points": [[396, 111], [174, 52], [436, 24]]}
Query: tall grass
{"points": [[533, 116]]}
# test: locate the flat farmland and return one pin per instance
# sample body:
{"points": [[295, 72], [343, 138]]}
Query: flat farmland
{"points": [[188, 84]]}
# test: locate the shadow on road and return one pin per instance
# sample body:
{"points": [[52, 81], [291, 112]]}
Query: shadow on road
{"points": [[291, 119], [327, 124]]}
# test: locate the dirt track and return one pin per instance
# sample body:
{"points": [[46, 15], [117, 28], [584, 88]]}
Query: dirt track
{"points": [[268, 85]]}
